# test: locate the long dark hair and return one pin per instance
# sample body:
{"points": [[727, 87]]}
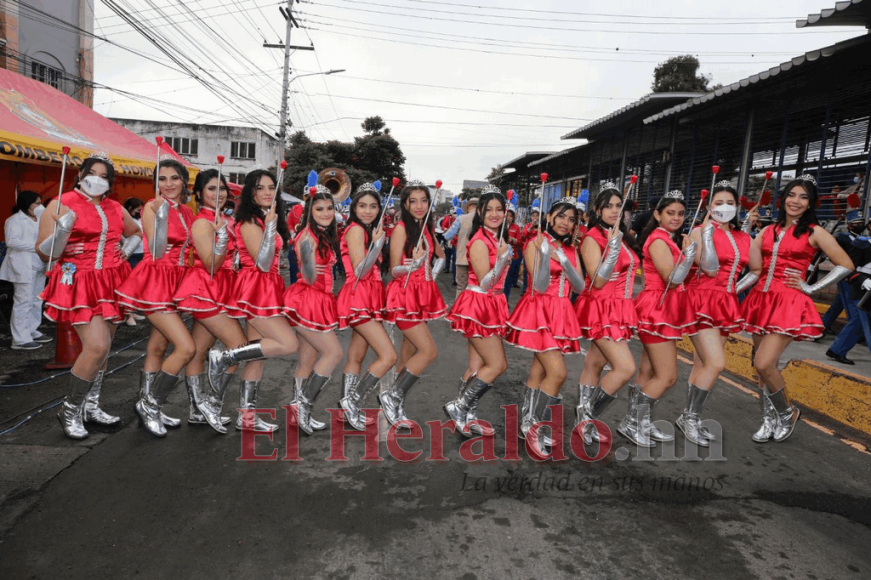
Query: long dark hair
{"points": [[412, 228], [368, 229], [203, 179], [664, 202], [25, 199], [478, 220], [182, 172], [603, 199], [809, 217], [86, 167], [328, 237], [734, 192], [556, 210], [249, 212]]}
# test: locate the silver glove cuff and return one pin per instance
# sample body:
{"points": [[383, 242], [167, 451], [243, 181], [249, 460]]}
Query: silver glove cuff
{"points": [[404, 269], [746, 282], [745, 227], [837, 274], [129, 245], [160, 232], [438, 266], [266, 251], [612, 255], [491, 277], [60, 236], [222, 238], [572, 275], [307, 266], [685, 262], [709, 261], [541, 278], [366, 264]]}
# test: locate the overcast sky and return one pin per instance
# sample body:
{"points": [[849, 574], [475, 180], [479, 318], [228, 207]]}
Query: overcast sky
{"points": [[461, 86]]}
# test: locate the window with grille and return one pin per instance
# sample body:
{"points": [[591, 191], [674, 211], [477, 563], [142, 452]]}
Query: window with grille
{"points": [[242, 150], [46, 74], [238, 178], [183, 145]]}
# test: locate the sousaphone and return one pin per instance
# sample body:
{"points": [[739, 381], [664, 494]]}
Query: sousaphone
{"points": [[337, 181]]}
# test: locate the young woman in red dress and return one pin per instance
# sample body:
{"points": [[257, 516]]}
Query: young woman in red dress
{"points": [[606, 312], [310, 304], [660, 322], [779, 309], [543, 320], [481, 311], [83, 241], [413, 299], [724, 251], [361, 302]]}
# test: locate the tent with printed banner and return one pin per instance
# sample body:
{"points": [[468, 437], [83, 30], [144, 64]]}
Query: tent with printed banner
{"points": [[37, 121]]}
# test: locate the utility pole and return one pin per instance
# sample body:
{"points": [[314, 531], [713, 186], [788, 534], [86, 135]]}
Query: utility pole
{"points": [[282, 130]]}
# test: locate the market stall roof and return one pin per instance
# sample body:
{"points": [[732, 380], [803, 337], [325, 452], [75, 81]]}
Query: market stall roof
{"points": [[848, 13], [37, 121]]}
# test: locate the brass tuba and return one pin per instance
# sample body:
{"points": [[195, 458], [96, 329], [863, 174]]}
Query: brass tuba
{"points": [[336, 181]]}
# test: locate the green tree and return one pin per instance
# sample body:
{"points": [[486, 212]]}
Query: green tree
{"points": [[679, 74]]}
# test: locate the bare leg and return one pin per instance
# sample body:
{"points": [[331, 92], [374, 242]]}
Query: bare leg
{"points": [[327, 347], [203, 340], [253, 369], [662, 357], [373, 334], [96, 337], [594, 365], [425, 353], [406, 351], [492, 355], [768, 353], [709, 359], [155, 350], [554, 364], [171, 326], [475, 362], [357, 352], [622, 364]]}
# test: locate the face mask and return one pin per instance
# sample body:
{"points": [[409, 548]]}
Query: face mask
{"points": [[856, 179], [94, 186], [37, 211], [724, 213]]}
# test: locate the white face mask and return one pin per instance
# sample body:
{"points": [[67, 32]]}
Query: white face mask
{"points": [[37, 211], [724, 213], [94, 186]]}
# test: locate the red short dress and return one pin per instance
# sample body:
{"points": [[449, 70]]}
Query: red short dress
{"points": [[714, 299], [199, 293], [479, 313], [313, 306], [609, 312], [360, 302], [256, 294], [774, 307], [82, 283], [152, 285], [676, 316], [419, 301], [542, 322]]}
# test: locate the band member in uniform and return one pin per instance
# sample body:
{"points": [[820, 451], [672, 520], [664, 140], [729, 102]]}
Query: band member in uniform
{"points": [[413, 299], [543, 320], [481, 311], [606, 312], [664, 314], [779, 309], [361, 302], [83, 241], [515, 238]]}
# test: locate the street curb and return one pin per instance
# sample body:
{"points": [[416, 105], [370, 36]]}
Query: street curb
{"points": [[840, 395]]}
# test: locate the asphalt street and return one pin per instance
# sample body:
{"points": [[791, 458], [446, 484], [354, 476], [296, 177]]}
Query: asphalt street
{"points": [[125, 504]]}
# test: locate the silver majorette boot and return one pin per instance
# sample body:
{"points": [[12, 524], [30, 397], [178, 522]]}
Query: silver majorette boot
{"points": [[526, 410], [221, 360], [93, 413], [591, 411], [72, 409], [248, 400], [355, 397], [690, 420], [786, 415], [585, 395], [459, 408], [146, 381], [393, 400], [536, 441], [636, 423], [311, 388], [297, 393], [148, 408], [653, 431], [198, 395], [769, 419], [703, 431]]}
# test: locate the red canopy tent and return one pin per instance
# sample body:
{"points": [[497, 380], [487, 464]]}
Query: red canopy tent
{"points": [[37, 120]]}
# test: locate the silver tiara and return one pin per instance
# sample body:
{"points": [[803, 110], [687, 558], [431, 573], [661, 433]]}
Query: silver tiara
{"points": [[489, 188], [724, 183], [102, 156], [675, 194], [568, 200], [808, 177], [367, 187], [321, 189], [609, 185], [415, 183], [167, 157]]}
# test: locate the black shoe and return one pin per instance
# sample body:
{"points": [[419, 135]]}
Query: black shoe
{"points": [[836, 357]]}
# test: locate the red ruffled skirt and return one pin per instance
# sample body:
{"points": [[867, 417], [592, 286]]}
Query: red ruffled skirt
{"points": [[356, 307], [257, 294], [600, 317], [670, 321], [205, 297], [310, 308], [715, 309], [542, 322], [91, 294], [150, 288], [791, 313], [417, 302], [478, 315]]}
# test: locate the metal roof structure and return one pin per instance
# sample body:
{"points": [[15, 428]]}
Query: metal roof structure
{"points": [[848, 13], [631, 113], [760, 78], [526, 159], [559, 154]]}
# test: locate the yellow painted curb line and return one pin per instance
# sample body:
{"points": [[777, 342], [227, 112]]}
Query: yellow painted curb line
{"points": [[823, 308]]}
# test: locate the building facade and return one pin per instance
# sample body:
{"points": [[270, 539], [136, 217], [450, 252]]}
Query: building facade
{"points": [[50, 41], [243, 148]]}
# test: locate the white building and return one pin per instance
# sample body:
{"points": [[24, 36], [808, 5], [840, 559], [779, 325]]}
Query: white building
{"points": [[244, 148], [443, 194]]}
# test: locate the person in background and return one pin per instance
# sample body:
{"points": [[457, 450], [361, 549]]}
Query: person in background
{"points": [[450, 246], [530, 230], [134, 207], [461, 229], [641, 221], [25, 270], [515, 239]]}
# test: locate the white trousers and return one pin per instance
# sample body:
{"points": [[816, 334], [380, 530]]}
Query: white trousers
{"points": [[26, 309]]}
